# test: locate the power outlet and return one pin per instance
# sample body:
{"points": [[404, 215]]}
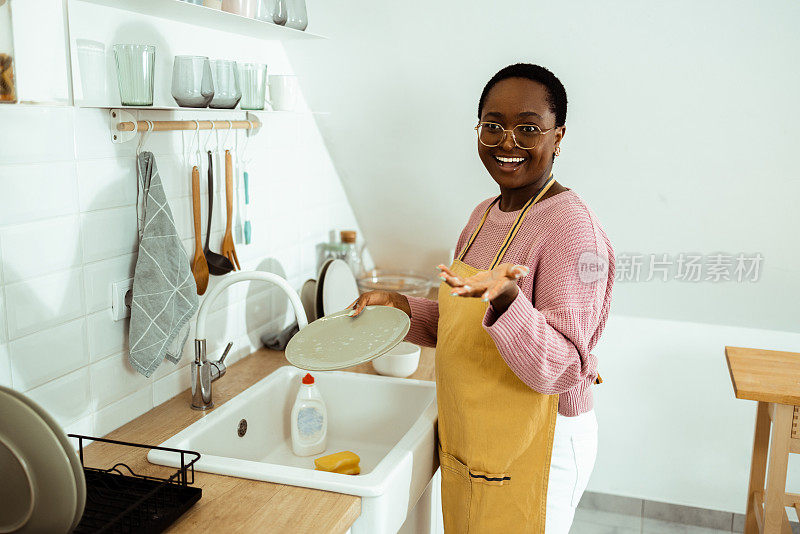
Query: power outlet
{"points": [[119, 308]]}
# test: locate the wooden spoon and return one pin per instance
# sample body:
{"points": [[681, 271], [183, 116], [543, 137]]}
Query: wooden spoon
{"points": [[228, 250], [199, 265]]}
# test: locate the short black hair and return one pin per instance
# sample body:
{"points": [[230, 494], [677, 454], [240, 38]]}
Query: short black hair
{"points": [[556, 94]]}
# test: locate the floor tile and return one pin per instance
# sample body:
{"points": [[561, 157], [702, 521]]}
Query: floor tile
{"points": [[657, 526], [583, 527], [608, 519], [611, 503], [687, 515]]}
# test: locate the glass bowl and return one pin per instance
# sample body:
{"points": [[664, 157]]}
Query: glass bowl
{"points": [[408, 283]]}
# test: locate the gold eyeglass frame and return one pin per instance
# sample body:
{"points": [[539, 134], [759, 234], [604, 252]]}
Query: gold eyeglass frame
{"points": [[514, 137]]}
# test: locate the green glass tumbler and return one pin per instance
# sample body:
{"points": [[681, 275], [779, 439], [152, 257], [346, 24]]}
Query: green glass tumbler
{"points": [[135, 73]]}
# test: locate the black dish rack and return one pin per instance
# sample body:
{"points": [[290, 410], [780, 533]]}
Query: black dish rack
{"points": [[121, 501]]}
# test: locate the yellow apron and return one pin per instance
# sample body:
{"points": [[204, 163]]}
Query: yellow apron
{"points": [[495, 432]]}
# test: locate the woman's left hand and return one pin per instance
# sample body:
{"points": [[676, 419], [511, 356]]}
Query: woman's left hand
{"points": [[497, 286]]}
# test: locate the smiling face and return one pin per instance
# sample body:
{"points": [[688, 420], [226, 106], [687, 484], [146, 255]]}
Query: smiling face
{"points": [[511, 102]]}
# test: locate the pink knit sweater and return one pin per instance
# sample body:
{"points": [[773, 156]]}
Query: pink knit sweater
{"points": [[547, 334]]}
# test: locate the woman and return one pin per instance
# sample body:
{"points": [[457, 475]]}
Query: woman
{"points": [[522, 306]]}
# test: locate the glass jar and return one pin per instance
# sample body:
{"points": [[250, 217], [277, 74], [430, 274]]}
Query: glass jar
{"points": [[353, 252]]}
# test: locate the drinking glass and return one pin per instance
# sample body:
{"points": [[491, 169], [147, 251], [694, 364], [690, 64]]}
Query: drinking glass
{"points": [[92, 64], [192, 85], [245, 8], [253, 78], [227, 91], [279, 14], [135, 72], [298, 16]]}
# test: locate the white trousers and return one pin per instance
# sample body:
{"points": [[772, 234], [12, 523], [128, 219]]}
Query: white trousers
{"points": [[571, 464]]}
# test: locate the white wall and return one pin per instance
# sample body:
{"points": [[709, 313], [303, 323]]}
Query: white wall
{"points": [[680, 130], [68, 231], [670, 428]]}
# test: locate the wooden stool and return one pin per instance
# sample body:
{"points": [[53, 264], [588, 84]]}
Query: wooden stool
{"points": [[773, 379]]}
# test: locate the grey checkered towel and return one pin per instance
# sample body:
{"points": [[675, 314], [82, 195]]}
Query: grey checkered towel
{"points": [[164, 290]]}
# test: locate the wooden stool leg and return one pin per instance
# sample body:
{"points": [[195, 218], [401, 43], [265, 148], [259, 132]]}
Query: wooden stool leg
{"points": [[758, 465], [774, 511]]}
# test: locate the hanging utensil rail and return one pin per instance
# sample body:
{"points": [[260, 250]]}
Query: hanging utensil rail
{"points": [[125, 126]]}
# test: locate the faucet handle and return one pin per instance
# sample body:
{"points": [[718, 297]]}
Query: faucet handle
{"points": [[225, 353]]}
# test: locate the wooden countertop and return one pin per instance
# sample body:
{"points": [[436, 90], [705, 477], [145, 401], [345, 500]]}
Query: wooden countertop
{"points": [[232, 504], [764, 375]]}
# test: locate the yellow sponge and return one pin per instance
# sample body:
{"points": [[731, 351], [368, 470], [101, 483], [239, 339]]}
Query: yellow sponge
{"points": [[344, 463]]}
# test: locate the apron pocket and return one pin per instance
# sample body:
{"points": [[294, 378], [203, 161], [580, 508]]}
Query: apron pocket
{"points": [[490, 479], [456, 493], [471, 498], [489, 505]]}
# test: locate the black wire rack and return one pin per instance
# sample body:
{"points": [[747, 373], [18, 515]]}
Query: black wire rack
{"points": [[120, 501]]}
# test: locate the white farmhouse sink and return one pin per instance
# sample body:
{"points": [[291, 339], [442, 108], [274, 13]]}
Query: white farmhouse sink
{"points": [[388, 422]]}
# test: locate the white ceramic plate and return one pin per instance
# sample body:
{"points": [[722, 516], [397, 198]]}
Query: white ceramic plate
{"points": [[340, 289], [337, 341], [75, 462], [42, 485], [77, 467], [308, 297]]}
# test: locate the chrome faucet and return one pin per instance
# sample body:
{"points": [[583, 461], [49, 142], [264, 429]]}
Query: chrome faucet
{"points": [[205, 372]]}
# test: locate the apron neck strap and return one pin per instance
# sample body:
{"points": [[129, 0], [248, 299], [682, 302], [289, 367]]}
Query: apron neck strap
{"points": [[514, 229]]}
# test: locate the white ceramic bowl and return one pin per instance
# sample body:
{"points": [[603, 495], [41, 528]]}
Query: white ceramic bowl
{"points": [[401, 361]]}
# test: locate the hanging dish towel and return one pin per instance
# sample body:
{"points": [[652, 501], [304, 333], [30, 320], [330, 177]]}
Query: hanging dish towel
{"points": [[164, 290]]}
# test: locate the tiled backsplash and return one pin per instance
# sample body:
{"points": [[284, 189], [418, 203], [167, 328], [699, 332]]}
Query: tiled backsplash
{"points": [[68, 231]]}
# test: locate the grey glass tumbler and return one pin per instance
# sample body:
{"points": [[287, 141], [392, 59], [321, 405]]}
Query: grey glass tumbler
{"points": [[227, 91], [135, 73], [253, 77], [192, 85]]}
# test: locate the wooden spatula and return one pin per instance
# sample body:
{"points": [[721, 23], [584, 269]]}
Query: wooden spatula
{"points": [[199, 265], [228, 250]]}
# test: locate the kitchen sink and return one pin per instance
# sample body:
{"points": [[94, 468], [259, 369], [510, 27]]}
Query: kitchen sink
{"points": [[388, 422]]}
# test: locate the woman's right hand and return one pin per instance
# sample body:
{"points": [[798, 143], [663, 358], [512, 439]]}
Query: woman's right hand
{"points": [[380, 298]]}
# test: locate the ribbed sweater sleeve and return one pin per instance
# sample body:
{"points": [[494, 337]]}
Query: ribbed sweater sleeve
{"points": [[424, 321]]}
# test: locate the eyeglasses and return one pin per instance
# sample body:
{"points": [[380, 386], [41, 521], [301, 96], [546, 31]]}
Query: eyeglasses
{"points": [[525, 136]]}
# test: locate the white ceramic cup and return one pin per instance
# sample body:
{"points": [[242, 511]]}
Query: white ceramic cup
{"points": [[283, 89], [401, 361]]}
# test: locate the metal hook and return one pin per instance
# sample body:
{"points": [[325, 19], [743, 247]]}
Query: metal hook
{"points": [[205, 146], [143, 136], [196, 139], [230, 126], [246, 142]]}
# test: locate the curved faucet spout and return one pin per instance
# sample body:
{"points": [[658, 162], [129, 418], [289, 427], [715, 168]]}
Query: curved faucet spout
{"points": [[204, 373], [244, 276]]}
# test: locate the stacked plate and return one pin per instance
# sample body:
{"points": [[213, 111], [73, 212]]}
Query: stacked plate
{"points": [[43, 487], [334, 290]]}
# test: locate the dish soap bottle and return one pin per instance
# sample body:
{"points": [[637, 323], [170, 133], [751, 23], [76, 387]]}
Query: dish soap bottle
{"points": [[309, 420]]}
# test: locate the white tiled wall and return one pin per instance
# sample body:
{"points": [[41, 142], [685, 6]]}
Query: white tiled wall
{"points": [[68, 231]]}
